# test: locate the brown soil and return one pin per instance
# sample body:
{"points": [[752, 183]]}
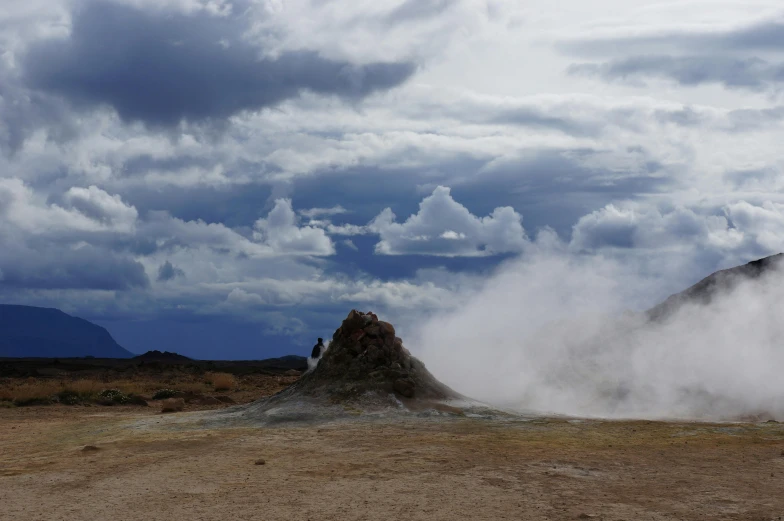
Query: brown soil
{"points": [[457, 469]]}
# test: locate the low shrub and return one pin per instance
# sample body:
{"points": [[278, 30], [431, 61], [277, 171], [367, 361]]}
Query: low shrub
{"points": [[112, 397], [162, 394], [69, 397]]}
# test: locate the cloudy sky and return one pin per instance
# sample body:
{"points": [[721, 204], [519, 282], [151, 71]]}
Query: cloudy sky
{"points": [[228, 178]]}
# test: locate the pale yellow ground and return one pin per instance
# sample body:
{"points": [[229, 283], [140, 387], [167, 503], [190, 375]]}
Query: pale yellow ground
{"points": [[463, 469]]}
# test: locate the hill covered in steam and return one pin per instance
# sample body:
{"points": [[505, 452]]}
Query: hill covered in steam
{"points": [[715, 285]]}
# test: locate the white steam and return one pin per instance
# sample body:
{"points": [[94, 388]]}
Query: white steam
{"points": [[552, 333]]}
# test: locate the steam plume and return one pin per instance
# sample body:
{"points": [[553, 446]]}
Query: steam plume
{"points": [[553, 333]]}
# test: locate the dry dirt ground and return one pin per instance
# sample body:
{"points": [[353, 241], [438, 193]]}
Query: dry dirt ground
{"points": [[430, 470]]}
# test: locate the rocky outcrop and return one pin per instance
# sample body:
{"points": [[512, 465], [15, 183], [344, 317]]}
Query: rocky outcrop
{"points": [[366, 356]]}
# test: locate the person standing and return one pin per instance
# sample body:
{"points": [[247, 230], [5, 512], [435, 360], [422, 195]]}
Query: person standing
{"points": [[317, 349]]}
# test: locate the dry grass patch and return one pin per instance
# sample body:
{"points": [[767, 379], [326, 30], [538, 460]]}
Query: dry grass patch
{"points": [[137, 387], [222, 381], [30, 391], [84, 387], [88, 388], [192, 387]]}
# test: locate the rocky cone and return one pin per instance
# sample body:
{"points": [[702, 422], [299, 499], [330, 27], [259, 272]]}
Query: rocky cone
{"points": [[365, 355]]}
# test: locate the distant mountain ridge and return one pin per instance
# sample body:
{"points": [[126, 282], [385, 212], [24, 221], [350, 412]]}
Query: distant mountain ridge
{"points": [[29, 331], [705, 290], [165, 356]]}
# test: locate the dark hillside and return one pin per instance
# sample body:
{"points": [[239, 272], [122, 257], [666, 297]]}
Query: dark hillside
{"points": [[27, 331]]}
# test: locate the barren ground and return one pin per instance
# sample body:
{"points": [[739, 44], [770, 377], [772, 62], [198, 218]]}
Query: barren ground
{"points": [[450, 469]]}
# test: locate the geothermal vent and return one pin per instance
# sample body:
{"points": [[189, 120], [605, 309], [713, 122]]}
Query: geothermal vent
{"points": [[366, 369], [366, 356]]}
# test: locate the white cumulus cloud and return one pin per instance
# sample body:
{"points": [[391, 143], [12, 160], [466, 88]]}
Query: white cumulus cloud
{"points": [[446, 228], [83, 210], [736, 230], [312, 213], [280, 231]]}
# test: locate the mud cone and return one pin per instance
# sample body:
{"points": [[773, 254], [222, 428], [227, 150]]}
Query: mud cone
{"points": [[366, 356]]}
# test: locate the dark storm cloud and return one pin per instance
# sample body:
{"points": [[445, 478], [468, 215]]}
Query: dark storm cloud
{"points": [[367, 190], [549, 188], [232, 205], [739, 120], [763, 36], [168, 271], [21, 112], [144, 163], [527, 117], [746, 73], [760, 37], [418, 9], [685, 117], [744, 179], [742, 120], [531, 115], [555, 188], [53, 267], [746, 57], [162, 69]]}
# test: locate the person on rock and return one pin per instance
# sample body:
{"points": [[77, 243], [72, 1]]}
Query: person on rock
{"points": [[317, 349]]}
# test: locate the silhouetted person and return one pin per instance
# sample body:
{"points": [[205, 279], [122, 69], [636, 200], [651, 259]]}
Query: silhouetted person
{"points": [[318, 349]]}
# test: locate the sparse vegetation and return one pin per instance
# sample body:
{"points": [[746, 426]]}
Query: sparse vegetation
{"points": [[30, 392], [43, 392], [113, 396], [68, 397], [76, 383], [163, 394]]}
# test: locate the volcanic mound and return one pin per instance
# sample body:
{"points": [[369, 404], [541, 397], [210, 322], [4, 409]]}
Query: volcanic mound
{"points": [[365, 369], [366, 356]]}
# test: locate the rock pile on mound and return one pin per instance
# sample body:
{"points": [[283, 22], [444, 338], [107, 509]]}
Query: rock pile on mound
{"points": [[366, 356]]}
